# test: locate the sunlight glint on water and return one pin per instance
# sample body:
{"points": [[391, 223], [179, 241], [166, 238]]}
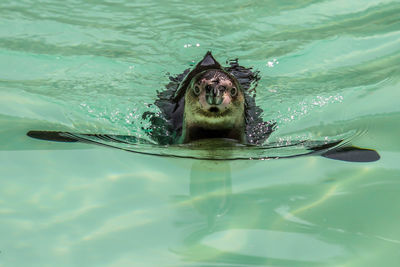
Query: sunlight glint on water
{"points": [[329, 70]]}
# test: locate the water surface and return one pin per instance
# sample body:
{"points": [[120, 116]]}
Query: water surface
{"points": [[329, 69]]}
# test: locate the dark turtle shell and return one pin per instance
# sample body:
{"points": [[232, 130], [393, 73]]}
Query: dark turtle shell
{"points": [[166, 126]]}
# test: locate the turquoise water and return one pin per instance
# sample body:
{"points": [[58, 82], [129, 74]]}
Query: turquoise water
{"points": [[329, 69]]}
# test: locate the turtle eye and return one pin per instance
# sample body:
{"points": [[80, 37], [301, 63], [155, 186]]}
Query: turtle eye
{"points": [[234, 91], [196, 90]]}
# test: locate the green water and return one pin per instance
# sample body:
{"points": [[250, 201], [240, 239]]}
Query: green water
{"points": [[329, 69]]}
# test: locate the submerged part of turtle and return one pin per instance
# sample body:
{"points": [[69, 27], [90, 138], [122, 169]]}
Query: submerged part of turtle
{"points": [[209, 101]]}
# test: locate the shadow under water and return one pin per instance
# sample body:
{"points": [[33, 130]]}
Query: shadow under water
{"points": [[227, 221], [211, 189]]}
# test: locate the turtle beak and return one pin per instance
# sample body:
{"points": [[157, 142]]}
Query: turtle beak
{"points": [[214, 95]]}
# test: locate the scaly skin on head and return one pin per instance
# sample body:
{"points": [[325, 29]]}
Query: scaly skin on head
{"points": [[214, 108]]}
